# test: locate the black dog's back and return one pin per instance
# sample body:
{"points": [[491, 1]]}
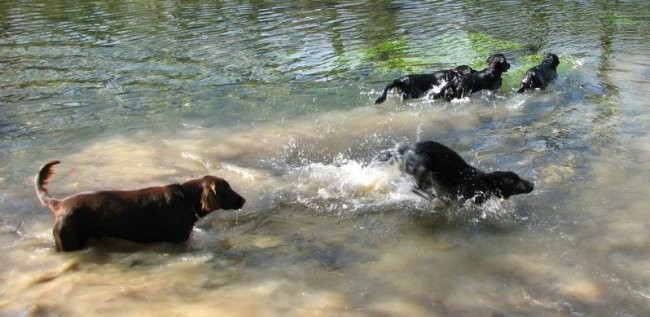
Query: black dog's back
{"points": [[449, 167], [541, 75], [413, 86], [417, 85], [488, 78], [436, 166]]}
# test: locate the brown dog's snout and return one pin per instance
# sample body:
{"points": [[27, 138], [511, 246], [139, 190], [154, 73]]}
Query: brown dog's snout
{"points": [[234, 201], [241, 202]]}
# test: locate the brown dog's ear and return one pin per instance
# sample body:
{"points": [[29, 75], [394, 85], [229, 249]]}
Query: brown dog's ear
{"points": [[209, 198]]}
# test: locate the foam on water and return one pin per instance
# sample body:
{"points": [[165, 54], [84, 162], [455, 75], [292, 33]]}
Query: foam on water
{"points": [[350, 186]]}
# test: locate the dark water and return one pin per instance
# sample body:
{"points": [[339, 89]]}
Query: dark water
{"points": [[277, 97]]}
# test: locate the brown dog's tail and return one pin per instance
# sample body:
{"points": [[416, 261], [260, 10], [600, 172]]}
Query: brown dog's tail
{"points": [[41, 185]]}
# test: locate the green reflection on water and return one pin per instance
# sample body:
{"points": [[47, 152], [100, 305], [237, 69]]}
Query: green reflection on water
{"points": [[485, 44]]}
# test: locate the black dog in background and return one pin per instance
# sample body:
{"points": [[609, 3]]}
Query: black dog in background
{"points": [[434, 165], [541, 75], [416, 85], [488, 78]]}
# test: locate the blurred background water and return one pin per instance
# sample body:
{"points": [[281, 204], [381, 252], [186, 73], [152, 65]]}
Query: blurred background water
{"points": [[277, 97]]}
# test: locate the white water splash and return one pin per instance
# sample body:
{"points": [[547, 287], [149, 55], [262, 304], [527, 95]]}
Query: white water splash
{"points": [[245, 173], [349, 185]]}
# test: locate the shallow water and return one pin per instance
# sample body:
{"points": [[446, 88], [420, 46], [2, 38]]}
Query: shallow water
{"points": [[278, 99]]}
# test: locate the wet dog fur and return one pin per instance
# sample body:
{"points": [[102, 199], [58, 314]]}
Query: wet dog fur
{"points": [[488, 78], [539, 76], [155, 214], [435, 166], [417, 85]]}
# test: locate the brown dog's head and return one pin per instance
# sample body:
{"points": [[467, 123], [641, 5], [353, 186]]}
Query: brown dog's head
{"points": [[498, 62], [217, 194]]}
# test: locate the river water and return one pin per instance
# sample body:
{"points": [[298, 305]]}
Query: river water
{"points": [[277, 97]]}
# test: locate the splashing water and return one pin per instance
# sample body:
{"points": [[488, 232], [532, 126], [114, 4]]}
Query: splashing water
{"points": [[347, 185]]}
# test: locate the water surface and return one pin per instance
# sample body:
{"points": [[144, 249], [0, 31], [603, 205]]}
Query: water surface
{"points": [[278, 98]]}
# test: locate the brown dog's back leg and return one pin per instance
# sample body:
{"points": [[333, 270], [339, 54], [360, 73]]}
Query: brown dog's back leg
{"points": [[68, 238]]}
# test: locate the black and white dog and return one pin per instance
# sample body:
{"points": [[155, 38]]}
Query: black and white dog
{"points": [[488, 78], [417, 85], [540, 75], [433, 165]]}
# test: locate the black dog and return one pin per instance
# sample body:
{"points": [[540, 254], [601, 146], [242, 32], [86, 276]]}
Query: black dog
{"points": [[488, 78], [539, 76], [416, 85], [434, 165]]}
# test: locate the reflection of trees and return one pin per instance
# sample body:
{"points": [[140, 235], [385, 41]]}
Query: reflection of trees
{"points": [[240, 41], [539, 26], [5, 24], [158, 50], [608, 103]]}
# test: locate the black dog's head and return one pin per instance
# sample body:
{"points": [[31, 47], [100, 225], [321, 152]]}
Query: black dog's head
{"points": [[498, 62], [551, 59], [463, 70], [506, 184]]}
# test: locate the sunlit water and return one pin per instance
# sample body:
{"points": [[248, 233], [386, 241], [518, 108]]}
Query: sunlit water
{"points": [[277, 97]]}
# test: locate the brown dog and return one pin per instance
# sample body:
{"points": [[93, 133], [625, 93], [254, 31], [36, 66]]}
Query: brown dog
{"points": [[156, 214]]}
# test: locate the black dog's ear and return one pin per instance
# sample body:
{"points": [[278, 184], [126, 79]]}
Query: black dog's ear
{"points": [[508, 180], [552, 59], [555, 60]]}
